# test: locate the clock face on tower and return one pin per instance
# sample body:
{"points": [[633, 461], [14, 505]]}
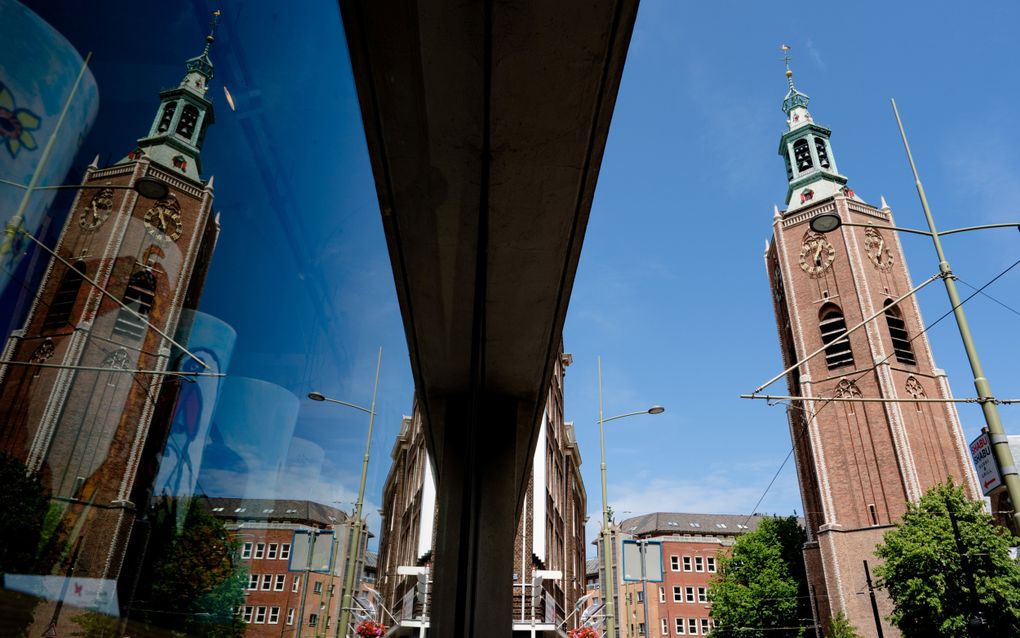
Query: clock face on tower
{"points": [[816, 254], [163, 221], [97, 210], [878, 252]]}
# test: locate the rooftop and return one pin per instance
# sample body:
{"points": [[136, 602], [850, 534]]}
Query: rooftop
{"points": [[671, 523], [275, 510]]}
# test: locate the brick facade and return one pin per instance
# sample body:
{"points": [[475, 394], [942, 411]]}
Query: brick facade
{"points": [[550, 534], [858, 462]]}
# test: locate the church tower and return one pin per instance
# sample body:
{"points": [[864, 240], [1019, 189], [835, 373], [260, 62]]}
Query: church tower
{"points": [[858, 463], [78, 396]]}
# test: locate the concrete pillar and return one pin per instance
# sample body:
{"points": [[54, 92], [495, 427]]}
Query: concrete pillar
{"points": [[477, 496]]}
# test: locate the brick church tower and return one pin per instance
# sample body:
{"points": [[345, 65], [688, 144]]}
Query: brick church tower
{"points": [[78, 400], [858, 463]]}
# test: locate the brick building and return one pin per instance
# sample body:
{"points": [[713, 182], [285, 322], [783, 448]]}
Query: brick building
{"points": [[858, 463], [83, 397], [677, 606], [549, 557], [286, 594]]}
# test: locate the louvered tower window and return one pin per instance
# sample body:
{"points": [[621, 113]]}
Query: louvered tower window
{"points": [[59, 314], [139, 296], [189, 117], [898, 333], [802, 155], [823, 155], [833, 326], [168, 117]]}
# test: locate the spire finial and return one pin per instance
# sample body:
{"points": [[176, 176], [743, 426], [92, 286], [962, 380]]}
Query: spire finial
{"points": [[209, 39], [785, 48]]}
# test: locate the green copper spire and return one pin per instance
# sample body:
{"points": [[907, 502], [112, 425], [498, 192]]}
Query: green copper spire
{"points": [[810, 165], [185, 112], [794, 98]]}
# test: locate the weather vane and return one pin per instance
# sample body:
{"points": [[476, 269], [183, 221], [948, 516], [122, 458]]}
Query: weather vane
{"points": [[212, 24], [785, 48]]}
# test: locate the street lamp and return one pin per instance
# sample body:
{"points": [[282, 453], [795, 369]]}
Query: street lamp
{"points": [[606, 559], [356, 524], [829, 222]]}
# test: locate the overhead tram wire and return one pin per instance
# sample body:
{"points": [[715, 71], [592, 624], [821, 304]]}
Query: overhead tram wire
{"points": [[829, 401], [1001, 303]]}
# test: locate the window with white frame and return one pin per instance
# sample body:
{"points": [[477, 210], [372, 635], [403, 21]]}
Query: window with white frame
{"points": [[248, 611], [678, 594], [690, 594], [662, 594], [274, 615], [699, 564], [674, 563], [253, 581], [687, 563], [702, 595], [317, 588], [313, 620], [704, 626], [710, 563], [641, 596], [246, 550], [260, 550], [272, 551], [679, 626], [296, 584], [284, 551], [290, 616], [260, 615], [664, 628], [692, 626], [281, 580], [267, 582]]}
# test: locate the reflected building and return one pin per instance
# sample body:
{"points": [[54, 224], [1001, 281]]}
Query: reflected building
{"points": [[82, 379], [549, 553], [294, 555]]}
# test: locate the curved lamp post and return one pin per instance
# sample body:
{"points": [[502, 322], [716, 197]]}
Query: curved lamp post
{"points": [[357, 523], [608, 584]]}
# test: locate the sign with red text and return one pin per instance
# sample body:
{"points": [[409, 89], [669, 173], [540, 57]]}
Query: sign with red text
{"points": [[984, 463]]}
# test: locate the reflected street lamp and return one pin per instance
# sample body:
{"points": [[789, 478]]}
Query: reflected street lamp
{"points": [[608, 584], [829, 222], [357, 523]]}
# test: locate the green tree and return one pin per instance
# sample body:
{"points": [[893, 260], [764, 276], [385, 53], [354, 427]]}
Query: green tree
{"points": [[929, 580], [760, 590], [840, 627], [197, 585]]}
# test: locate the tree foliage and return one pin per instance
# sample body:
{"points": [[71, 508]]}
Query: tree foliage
{"points": [[196, 584], [840, 627], [927, 577], [761, 588]]}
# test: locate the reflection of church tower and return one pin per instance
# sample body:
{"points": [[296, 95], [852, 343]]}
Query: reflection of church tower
{"points": [[858, 463], [79, 405]]}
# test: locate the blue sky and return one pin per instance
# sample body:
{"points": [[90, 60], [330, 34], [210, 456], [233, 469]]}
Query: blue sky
{"points": [[671, 287]]}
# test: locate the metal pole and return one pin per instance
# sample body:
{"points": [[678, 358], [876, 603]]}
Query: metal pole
{"points": [[304, 585], [1000, 445], [18, 219], [874, 601], [356, 525], [607, 586], [976, 620], [643, 546]]}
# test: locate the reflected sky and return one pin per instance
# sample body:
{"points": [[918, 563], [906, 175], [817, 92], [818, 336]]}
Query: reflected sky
{"points": [[300, 271]]}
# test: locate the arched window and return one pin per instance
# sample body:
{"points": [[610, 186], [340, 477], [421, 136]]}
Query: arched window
{"points": [[833, 326], [168, 116], [59, 314], [140, 293], [189, 117], [898, 333], [802, 155], [823, 155]]}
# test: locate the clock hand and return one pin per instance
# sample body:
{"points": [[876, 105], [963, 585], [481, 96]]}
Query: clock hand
{"points": [[818, 255]]}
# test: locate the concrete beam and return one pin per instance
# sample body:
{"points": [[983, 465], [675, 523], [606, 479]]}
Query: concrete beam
{"points": [[486, 123]]}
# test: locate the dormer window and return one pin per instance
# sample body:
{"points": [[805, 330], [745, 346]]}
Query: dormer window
{"points": [[823, 155], [189, 118], [802, 155], [168, 117]]}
